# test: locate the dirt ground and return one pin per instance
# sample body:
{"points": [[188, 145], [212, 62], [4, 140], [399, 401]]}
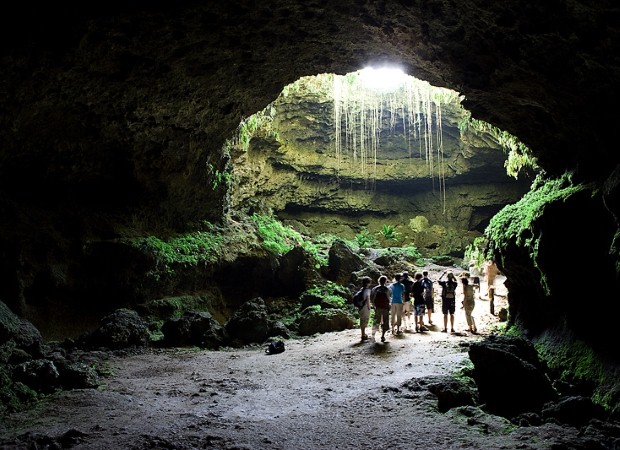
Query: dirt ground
{"points": [[328, 391]]}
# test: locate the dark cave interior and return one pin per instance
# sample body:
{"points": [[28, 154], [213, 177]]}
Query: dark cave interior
{"points": [[112, 113]]}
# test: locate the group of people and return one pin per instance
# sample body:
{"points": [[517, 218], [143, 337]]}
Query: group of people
{"points": [[407, 298]]}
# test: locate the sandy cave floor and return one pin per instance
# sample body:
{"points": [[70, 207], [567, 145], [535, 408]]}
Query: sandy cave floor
{"points": [[328, 391]]}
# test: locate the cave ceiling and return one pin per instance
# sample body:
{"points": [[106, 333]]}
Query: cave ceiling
{"points": [[144, 95]]}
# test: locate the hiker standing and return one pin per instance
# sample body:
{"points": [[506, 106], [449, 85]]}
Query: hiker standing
{"points": [[469, 302], [419, 306], [429, 296], [490, 272], [380, 298], [398, 290], [364, 310], [407, 308], [448, 299]]}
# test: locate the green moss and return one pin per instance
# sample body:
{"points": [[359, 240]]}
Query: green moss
{"points": [[574, 361], [475, 253], [464, 373], [330, 293], [280, 239], [14, 396], [186, 250], [519, 155], [515, 224]]}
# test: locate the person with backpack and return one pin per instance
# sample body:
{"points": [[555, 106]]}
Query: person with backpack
{"points": [[448, 299], [398, 290], [361, 300], [429, 296], [381, 298], [419, 306]]}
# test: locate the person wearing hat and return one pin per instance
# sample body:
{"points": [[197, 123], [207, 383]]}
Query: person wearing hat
{"points": [[448, 299]]}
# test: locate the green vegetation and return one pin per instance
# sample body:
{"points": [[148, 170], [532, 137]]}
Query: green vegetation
{"points": [[574, 362], [189, 250], [514, 223], [474, 253], [314, 308], [14, 396], [519, 155], [219, 177], [388, 232], [277, 238], [256, 124], [280, 239], [330, 293], [365, 240]]}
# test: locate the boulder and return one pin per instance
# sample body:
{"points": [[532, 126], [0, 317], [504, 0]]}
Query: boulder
{"points": [[194, 328], [343, 262], [315, 320], [122, 329], [509, 376], [251, 323]]}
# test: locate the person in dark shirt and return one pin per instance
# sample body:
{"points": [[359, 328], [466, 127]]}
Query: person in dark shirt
{"points": [[419, 305], [448, 299]]}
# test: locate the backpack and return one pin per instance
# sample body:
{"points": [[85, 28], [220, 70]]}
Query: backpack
{"points": [[428, 287], [381, 298], [275, 347], [450, 289], [358, 298]]}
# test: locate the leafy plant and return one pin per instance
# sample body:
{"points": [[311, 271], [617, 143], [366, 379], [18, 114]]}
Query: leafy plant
{"points": [[192, 249], [279, 239], [218, 177], [474, 253], [388, 232], [258, 123], [519, 155], [365, 240], [330, 292]]}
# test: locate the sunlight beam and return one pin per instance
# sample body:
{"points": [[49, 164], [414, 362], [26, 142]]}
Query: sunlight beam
{"points": [[385, 79]]}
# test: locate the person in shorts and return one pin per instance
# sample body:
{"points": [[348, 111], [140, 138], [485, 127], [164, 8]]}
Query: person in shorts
{"points": [[448, 299], [381, 300], [396, 311], [429, 296], [419, 305], [407, 308]]}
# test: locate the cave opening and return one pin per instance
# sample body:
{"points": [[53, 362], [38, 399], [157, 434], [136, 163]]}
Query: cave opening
{"points": [[352, 154]]}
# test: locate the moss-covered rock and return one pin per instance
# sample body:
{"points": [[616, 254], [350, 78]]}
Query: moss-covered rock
{"points": [[317, 320]]}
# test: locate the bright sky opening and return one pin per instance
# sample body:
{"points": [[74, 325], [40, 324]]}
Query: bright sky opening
{"points": [[383, 79]]}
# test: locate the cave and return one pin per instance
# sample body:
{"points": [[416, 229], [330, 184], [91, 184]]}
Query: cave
{"points": [[114, 123]]}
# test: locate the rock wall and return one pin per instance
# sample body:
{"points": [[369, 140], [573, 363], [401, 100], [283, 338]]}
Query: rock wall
{"points": [[114, 114], [292, 166]]}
